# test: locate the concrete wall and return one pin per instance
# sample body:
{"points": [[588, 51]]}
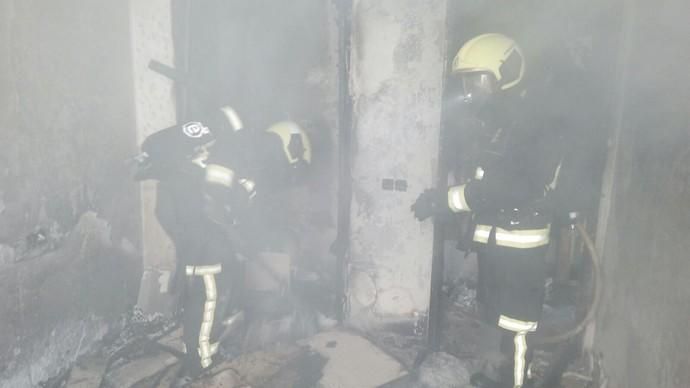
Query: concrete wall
{"points": [[642, 330], [66, 128], [398, 56]]}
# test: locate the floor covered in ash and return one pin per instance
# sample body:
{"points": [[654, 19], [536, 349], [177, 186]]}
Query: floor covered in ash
{"points": [[304, 349]]}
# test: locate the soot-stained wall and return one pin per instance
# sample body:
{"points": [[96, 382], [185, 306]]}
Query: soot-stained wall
{"points": [[398, 57], [69, 219], [642, 330]]}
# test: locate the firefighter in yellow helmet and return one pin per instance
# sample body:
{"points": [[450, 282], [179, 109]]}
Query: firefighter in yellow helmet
{"points": [[215, 190], [263, 161], [485, 68], [296, 148], [248, 177], [514, 168]]}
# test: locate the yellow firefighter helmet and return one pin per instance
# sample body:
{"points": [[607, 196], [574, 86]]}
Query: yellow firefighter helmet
{"points": [[489, 62], [296, 144]]}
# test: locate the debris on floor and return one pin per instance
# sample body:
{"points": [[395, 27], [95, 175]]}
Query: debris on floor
{"points": [[144, 352], [305, 369], [575, 380], [225, 378], [438, 370], [278, 367], [461, 327], [354, 362], [404, 347], [130, 374], [129, 353], [442, 370], [302, 349], [87, 373], [299, 323]]}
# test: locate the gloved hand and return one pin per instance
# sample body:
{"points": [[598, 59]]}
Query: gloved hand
{"points": [[429, 203]]}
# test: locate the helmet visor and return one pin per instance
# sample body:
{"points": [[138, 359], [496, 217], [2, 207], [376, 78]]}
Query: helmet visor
{"points": [[473, 87], [477, 86], [471, 90]]}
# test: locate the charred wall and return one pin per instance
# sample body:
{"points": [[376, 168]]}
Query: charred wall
{"points": [[642, 329], [69, 219]]}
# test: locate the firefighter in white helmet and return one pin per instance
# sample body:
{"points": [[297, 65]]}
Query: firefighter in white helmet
{"points": [[514, 168]]}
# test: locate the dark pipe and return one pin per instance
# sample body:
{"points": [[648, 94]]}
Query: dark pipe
{"points": [[340, 247], [437, 259]]}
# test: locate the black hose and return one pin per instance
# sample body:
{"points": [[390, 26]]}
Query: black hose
{"points": [[596, 300], [136, 344]]}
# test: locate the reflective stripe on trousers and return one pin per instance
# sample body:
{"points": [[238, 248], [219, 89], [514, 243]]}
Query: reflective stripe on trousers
{"points": [[520, 328], [207, 272], [521, 239]]}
